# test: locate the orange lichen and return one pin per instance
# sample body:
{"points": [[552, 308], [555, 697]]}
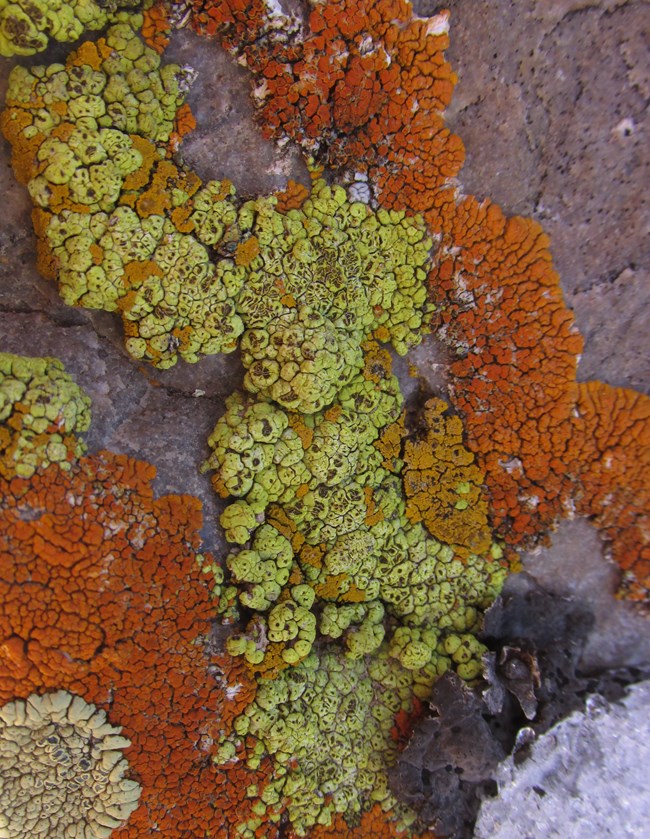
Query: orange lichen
{"points": [[102, 596], [139, 178], [46, 262], [291, 198], [332, 587], [389, 444], [156, 26], [184, 124], [312, 555], [91, 53], [443, 485], [374, 823], [374, 512], [247, 250], [365, 86], [501, 308], [611, 464]]}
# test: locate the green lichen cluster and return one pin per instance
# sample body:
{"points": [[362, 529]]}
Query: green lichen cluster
{"points": [[41, 411], [327, 725], [97, 133], [349, 608], [328, 549], [26, 26], [352, 611], [325, 277], [192, 269]]}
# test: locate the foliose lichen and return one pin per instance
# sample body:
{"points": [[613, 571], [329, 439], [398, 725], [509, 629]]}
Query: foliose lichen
{"points": [[26, 26], [328, 550], [62, 771]]}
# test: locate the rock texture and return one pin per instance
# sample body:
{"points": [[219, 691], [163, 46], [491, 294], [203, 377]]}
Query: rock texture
{"points": [[587, 776]]}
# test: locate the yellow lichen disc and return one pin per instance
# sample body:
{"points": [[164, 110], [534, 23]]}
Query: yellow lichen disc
{"points": [[62, 771]]}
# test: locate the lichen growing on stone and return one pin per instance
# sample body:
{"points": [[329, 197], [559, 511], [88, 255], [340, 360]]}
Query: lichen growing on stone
{"points": [[26, 26], [104, 595], [327, 725], [443, 485], [41, 412], [361, 84], [350, 609], [611, 465], [327, 546], [90, 141], [62, 771], [362, 87], [321, 279], [122, 228]]}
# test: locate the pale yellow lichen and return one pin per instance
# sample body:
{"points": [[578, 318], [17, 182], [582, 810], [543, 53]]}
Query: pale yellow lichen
{"points": [[62, 771]]}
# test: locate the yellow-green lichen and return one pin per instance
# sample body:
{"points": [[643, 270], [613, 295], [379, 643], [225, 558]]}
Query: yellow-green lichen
{"points": [[318, 509], [327, 724], [26, 26], [41, 412], [62, 771]]}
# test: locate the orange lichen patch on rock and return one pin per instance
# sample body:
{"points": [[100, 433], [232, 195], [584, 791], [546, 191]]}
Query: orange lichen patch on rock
{"points": [[365, 86], [184, 124], [374, 512], [291, 198], [235, 20], [312, 555], [501, 308], [156, 26], [443, 485], [46, 262], [102, 596], [611, 464], [91, 53], [247, 250], [156, 199], [13, 122], [374, 822]]}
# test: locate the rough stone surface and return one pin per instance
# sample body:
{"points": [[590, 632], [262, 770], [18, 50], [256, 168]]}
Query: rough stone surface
{"points": [[576, 566], [585, 777], [226, 143], [552, 108]]}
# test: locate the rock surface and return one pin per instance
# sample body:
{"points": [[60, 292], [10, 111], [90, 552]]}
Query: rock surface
{"points": [[552, 108], [585, 777]]}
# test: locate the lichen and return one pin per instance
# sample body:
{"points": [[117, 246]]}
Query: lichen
{"points": [[105, 595], [41, 412], [365, 543], [328, 547], [62, 772], [327, 725], [26, 26]]}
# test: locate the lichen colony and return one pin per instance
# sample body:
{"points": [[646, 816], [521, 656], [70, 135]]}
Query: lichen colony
{"points": [[365, 541]]}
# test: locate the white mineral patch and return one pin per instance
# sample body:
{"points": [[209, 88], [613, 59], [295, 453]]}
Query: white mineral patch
{"points": [[587, 777]]}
